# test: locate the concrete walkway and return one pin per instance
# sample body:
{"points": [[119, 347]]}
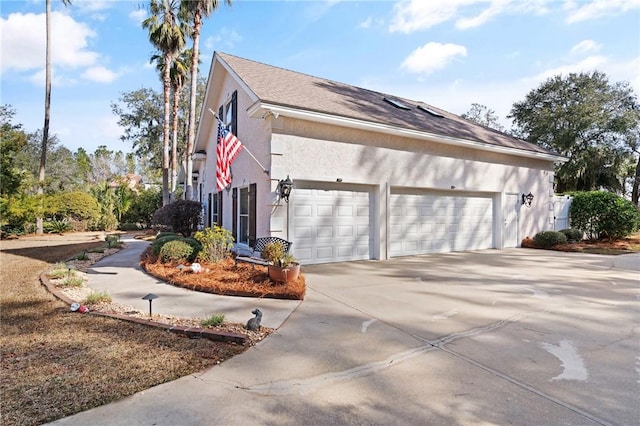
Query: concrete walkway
{"points": [[517, 336], [121, 276]]}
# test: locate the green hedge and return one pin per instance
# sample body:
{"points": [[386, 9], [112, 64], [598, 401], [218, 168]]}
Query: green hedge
{"points": [[603, 214], [177, 251]]}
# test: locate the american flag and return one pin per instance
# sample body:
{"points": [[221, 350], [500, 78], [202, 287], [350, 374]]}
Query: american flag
{"points": [[228, 148]]}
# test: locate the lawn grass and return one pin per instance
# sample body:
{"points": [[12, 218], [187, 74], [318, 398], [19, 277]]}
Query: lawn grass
{"points": [[56, 362]]}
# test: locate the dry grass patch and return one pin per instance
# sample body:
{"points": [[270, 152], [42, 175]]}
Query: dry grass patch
{"points": [[56, 363]]}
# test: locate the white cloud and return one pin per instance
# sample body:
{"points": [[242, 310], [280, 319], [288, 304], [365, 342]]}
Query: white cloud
{"points": [[99, 74], [583, 11], [138, 15], [432, 56], [585, 46], [23, 42], [225, 38], [415, 15], [93, 5], [585, 65], [366, 23], [57, 79]]}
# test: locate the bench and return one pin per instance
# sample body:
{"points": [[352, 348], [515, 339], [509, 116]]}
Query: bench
{"points": [[255, 258]]}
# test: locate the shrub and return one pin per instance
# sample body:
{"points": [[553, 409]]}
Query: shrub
{"points": [[98, 297], [213, 321], [156, 246], [216, 243], [572, 234], [182, 216], [195, 244], [603, 215], [272, 252], [165, 234], [56, 226], [176, 251], [546, 239], [112, 241], [143, 206], [129, 227], [75, 205]]}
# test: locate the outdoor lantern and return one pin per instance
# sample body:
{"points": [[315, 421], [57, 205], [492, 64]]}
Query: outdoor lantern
{"points": [[527, 199], [284, 188], [150, 298]]}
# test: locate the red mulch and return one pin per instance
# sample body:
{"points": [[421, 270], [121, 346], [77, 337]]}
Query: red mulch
{"points": [[225, 278]]}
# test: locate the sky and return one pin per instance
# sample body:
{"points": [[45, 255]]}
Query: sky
{"points": [[447, 53]]}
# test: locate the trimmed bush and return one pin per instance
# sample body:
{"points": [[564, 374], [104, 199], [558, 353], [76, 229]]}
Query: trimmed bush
{"points": [[547, 239], [572, 234], [182, 216], [195, 244], [176, 251], [603, 215], [165, 234], [156, 246]]}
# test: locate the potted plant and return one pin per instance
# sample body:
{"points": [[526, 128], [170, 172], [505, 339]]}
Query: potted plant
{"points": [[283, 267]]}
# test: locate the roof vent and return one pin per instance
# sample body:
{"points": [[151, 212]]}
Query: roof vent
{"points": [[396, 103], [428, 110]]}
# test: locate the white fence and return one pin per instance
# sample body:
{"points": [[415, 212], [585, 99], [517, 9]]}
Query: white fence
{"points": [[559, 211]]}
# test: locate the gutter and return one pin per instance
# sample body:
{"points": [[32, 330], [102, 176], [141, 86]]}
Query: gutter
{"points": [[260, 110]]}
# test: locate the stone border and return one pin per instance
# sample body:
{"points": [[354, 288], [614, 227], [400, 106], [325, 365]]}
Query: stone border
{"points": [[191, 332]]}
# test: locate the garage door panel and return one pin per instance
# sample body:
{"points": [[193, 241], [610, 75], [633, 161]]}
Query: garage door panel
{"points": [[443, 223], [333, 225]]}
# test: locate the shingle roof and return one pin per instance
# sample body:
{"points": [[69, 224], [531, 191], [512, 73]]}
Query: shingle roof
{"points": [[283, 87]]}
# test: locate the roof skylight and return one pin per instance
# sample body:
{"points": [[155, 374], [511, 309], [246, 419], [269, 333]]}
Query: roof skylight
{"points": [[429, 110], [396, 103]]}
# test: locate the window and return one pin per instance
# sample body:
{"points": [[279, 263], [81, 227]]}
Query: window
{"points": [[428, 110], [243, 218], [230, 118], [396, 103]]}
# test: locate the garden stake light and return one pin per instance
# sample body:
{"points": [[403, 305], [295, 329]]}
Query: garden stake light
{"points": [[150, 298]]}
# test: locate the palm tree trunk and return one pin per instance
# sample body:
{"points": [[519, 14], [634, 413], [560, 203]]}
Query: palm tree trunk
{"points": [[174, 146], [197, 24], [47, 113], [166, 78], [635, 192]]}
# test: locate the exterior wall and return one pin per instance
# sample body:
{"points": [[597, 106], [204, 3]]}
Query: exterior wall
{"points": [[327, 154], [322, 154]]}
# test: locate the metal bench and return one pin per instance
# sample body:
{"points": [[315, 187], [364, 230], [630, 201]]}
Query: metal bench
{"points": [[255, 257]]}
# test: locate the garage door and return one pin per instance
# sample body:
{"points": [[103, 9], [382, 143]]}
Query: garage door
{"points": [[433, 223], [329, 225]]}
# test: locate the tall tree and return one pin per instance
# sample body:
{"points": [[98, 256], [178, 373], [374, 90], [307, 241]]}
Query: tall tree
{"points": [[166, 35], [47, 104], [13, 140], [483, 115], [587, 119], [196, 10]]}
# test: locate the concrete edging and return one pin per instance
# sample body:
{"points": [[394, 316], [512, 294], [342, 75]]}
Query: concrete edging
{"points": [[191, 332]]}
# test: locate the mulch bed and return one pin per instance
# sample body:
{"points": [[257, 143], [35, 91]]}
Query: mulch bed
{"points": [[224, 278]]}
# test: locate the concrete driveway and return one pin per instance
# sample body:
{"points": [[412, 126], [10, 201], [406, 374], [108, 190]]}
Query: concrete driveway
{"points": [[519, 336]]}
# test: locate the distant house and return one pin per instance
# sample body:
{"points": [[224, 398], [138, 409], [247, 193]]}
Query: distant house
{"points": [[374, 175], [130, 180]]}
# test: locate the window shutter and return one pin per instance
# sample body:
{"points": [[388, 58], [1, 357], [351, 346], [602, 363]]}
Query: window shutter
{"points": [[219, 201], [252, 213], [234, 230], [234, 113], [209, 208], [220, 114]]}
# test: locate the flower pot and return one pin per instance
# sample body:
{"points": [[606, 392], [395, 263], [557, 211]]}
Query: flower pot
{"points": [[284, 275]]}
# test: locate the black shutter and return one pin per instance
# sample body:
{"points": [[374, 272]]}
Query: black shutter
{"points": [[209, 208], [219, 201], [252, 214], [220, 114], [234, 229], [234, 113]]}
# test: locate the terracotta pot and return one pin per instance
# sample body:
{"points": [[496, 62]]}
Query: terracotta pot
{"points": [[284, 275]]}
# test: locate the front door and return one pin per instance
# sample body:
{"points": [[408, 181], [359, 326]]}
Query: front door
{"points": [[510, 213]]}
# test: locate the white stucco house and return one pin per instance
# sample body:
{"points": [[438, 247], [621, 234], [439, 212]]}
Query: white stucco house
{"points": [[374, 176]]}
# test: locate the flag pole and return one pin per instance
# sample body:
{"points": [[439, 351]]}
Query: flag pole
{"points": [[244, 147]]}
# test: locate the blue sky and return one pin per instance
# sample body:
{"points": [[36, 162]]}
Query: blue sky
{"points": [[448, 53]]}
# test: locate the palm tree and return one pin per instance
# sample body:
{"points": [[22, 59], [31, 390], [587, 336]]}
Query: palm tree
{"points": [[179, 73], [47, 105], [167, 36], [196, 10]]}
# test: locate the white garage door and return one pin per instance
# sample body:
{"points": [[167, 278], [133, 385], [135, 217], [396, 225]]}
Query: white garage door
{"points": [[329, 225], [433, 223]]}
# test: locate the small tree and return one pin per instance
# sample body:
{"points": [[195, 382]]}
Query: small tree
{"points": [[603, 215], [216, 243]]}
